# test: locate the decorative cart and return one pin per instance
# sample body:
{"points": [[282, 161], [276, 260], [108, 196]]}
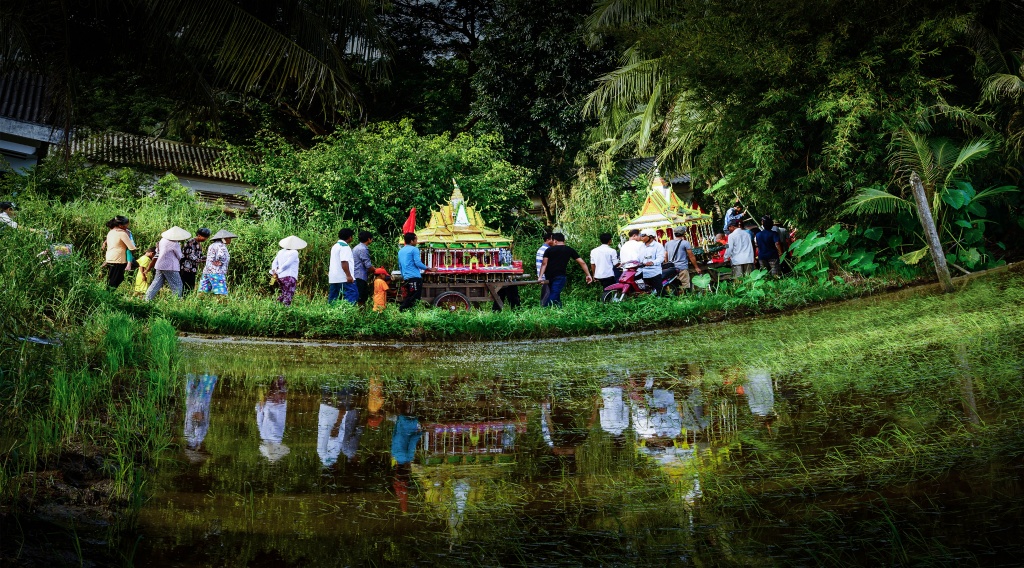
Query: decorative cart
{"points": [[663, 210], [469, 261]]}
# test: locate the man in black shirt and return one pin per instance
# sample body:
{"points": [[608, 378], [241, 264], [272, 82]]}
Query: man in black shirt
{"points": [[556, 261]]}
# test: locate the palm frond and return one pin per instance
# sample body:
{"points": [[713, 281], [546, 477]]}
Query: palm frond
{"points": [[995, 190], [874, 201], [974, 150], [612, 13], [633, 82], [1002, 86], [250, 55]]}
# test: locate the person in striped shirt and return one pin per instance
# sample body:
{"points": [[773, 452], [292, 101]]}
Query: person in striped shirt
{"points": [[545, 286]]}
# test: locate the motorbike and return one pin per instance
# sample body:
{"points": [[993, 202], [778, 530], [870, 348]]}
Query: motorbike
{"points": [[631, 284]]}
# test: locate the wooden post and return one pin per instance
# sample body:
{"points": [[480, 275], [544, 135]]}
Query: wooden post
{"points": [[924, 212]]}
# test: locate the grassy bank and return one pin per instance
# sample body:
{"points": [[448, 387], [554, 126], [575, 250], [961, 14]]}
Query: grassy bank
{"points": [[84, 389], [250, 314]]}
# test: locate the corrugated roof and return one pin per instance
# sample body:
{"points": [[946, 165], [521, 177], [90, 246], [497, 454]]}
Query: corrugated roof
{"points": [[636, 167], [118, 148], [23, 96]]}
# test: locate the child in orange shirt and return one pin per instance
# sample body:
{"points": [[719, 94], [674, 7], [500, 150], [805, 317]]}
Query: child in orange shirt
{"points": [[380, 289]]}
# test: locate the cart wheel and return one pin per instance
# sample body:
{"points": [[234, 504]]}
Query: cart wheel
{"points": [[453, 302], [613, 296]]}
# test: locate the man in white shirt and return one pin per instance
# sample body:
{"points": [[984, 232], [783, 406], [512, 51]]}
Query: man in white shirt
{"points": [[603, 260], [629, 251], [6, 213], [652, 256], [340, 273], [740, 251]]}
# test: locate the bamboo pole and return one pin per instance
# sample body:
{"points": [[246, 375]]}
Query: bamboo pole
{"points": [[931, 234]]}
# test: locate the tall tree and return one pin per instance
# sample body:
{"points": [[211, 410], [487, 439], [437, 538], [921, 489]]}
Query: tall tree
{"points": [[299, 54], [535, 70], [433, 63]]}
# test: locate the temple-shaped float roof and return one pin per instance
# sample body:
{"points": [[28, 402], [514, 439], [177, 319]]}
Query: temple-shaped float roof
{"points": [[458, 225], [663, 210]]}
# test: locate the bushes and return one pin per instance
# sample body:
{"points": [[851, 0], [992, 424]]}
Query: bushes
{"points": [[371, 177]]}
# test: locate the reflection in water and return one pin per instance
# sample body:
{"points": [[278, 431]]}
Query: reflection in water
{"points": [[198, 393], [613, 415], [404, 440], [486, 471], [270, 419], [760, 394], [338, 431]]}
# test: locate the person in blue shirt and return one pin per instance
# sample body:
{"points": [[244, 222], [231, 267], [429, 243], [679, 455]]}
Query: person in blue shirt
{"points": [[412, 271], [733, 214], [769, 247]]}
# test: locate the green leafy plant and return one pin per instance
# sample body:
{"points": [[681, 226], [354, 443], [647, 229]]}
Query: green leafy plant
{"points": [[959, 210], [817, 253]]}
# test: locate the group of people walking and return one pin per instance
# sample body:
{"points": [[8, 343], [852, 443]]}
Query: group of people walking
{"points": [[178, 260], [174, 263], [748, 244]]}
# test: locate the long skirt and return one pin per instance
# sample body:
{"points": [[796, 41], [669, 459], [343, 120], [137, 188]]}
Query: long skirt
{"points": [[287, 285]]}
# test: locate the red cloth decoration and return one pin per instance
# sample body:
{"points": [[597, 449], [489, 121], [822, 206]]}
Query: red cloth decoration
{"points": [[410, 223]]}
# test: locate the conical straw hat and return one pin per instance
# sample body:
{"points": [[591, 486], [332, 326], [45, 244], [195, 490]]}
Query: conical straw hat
{"points": [[293, 242], [224, 234], [176, 233], [274, 451]]}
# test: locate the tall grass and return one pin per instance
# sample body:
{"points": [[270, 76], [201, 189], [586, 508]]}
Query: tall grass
{"points": [[251, 313]]}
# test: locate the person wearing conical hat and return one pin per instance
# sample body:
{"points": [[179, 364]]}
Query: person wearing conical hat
{"points": [[217, 257], [286, 267], [168, 262]]}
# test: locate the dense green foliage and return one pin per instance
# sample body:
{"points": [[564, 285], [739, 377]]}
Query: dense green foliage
{"points": [[370, 178], [793, 102]]}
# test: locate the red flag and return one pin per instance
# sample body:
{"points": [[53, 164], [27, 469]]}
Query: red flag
{"points": [[410, 223]]}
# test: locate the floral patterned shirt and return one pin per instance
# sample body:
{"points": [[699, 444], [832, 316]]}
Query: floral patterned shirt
{"points": [[191, 256], [218, 252]]}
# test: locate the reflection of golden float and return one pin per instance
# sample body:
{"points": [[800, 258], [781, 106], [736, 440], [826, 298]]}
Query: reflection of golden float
{"points": [[663, 210], [469, 443]]}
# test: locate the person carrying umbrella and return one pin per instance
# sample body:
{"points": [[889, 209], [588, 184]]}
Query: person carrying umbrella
{"points": [[286, 267]]}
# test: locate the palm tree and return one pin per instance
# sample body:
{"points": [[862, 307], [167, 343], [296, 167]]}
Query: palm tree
{"points": [[634, 103], [942, 167], [299, 53]]}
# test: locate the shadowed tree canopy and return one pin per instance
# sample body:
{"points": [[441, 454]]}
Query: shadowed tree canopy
{"points": [[433, 63], [794, 103], [299, 56], [535, 70]]}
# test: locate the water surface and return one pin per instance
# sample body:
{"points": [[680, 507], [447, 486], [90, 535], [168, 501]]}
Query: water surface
{"points": [[616, 451]]}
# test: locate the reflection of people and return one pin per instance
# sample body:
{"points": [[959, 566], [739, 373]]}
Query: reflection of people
{"points": [[560, 429], [270, 419], [693, 412], [760, 394], [403, 450], [338, 431], [198, 393], [614, 416], [656, 414], [406, 436]]}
